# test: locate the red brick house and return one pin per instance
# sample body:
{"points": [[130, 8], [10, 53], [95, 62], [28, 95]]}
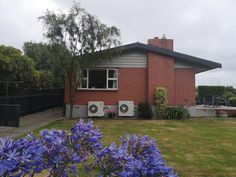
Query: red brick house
{"points": [[136, 73]]}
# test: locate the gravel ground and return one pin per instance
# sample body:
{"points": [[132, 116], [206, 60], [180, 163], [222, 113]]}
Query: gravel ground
{"points": [[4, 128]]}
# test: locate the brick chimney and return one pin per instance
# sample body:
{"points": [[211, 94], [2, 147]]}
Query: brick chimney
{"points": [[162, 43]]}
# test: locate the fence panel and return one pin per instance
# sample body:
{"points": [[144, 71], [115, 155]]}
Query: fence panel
{"points": [[35, 102]]}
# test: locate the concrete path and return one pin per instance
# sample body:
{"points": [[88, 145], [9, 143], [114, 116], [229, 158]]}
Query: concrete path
{"points": [[31, 122]]}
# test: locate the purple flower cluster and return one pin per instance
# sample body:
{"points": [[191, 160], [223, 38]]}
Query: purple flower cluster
{"points": [[56, 151], [21, 157], [59, 152], [137, 156], [86, 137], [59, 156], [66, 150]]}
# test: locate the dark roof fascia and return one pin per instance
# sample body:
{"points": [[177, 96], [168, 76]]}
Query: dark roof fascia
{"points": [[177, 55]]}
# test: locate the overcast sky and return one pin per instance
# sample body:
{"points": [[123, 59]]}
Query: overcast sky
{"points": [[203, 28]]}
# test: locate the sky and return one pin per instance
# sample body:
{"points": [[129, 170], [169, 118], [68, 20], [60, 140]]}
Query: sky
{"points": [[202, 28]]}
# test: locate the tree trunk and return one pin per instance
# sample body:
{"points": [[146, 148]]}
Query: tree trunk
{"points": [[71, 93], [70, 85]]}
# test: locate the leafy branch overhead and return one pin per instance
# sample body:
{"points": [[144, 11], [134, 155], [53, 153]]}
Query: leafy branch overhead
{"points": [[78, 31]]}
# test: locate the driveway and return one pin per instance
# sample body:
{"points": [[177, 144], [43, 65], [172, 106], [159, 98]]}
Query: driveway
{"points": [[31, 122]]}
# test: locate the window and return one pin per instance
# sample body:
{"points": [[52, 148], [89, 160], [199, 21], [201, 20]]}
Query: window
{"points": [[100, 79]]}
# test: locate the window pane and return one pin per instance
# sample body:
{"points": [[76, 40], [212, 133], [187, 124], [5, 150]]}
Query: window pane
{"points": [[112, 84], [97, 78], [84, 83], [112, 73], [85, 72]]}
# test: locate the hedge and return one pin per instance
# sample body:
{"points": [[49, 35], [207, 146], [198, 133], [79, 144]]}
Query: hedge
{"points": [[206, 91]]}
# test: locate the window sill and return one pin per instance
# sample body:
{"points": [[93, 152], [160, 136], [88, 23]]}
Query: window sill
{"points": [[85, 89]]}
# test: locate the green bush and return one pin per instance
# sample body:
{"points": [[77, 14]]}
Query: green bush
{"points": [[44, 79], [176, 113], [145, 110], [204, 91], [161, 101], [232, 101]]}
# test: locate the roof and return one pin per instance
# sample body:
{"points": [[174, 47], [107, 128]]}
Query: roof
{"points": [[207, 64]]}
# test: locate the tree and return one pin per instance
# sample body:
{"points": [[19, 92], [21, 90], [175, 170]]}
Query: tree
{"points": [[80, 39], [230, 92], [40, 53], [46, 62], [6, 55], [14, 66]]}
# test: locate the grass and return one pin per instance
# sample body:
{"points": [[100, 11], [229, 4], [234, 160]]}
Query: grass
{"points": [[194, 147]]}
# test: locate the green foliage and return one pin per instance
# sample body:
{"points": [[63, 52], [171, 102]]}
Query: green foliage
{"points": [[176, 113], [229, 92], [230, 89], [204, 91], [145, 110], [40, 53], [10, 52], [6, 56], [5, 68], [16, 66], [23, 70], [232, 101], [45, 79], [45, 59], [161, 101]]}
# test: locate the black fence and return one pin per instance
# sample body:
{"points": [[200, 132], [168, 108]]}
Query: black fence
{"points": [[35, 101], [9, 115]]}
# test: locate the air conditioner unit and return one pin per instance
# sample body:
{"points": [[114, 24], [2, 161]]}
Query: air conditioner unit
{"points": [[95, 109], [126, 108]]}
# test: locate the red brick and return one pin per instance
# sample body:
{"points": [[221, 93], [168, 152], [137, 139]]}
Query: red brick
{"points": [[132, 86], [184, 86], [160, 74]]}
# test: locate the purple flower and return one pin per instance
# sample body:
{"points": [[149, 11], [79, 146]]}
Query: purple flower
{"points": [[20, 157], [137, 156], [86, 137], [59, 152]]}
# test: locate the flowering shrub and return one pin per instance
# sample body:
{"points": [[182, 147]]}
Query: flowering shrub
{"points": [[59, 152], [21, 157], [137, 156]]}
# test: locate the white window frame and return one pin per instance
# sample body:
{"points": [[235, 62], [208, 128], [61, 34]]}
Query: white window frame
{"points": [[107, 79]]}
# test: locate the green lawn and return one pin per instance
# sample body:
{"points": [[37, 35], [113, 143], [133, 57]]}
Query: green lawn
{"points": [[194, 147]]}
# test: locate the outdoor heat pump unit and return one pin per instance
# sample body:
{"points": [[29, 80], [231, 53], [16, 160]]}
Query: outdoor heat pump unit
{"points": [[95, 109], [126, 109]]}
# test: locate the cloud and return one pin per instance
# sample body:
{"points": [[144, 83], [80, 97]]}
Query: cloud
{"points": [[201, 28], [19, 21]]}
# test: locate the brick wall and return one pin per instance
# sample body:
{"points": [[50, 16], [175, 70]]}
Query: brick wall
{"points": [[184, 86], [138, 84], [180, 84], [160, 73], [132, 86]]}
